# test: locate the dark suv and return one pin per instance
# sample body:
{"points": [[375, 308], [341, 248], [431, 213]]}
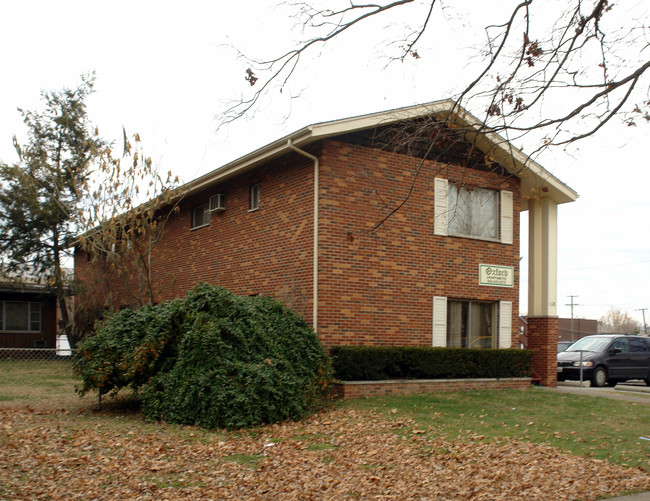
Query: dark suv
{"points": [[606, 359]]}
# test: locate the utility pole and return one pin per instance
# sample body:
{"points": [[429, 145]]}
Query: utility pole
{"points": [[645, 327], [572, 304]]}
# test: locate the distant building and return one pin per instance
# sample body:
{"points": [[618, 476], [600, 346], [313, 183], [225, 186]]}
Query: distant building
{"points": [[29, 312], [27, 315], [581, 327], [566, 331]]}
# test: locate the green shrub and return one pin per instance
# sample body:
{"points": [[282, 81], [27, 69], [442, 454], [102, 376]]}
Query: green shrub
{"points": [[129, 347], [212, 359], [375, 363]]}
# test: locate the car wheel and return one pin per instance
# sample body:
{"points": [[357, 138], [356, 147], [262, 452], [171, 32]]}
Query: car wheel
{"points": [[599, 377], [647, 379]]}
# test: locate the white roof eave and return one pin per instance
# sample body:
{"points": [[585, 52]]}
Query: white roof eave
{"points": [[536, 181]]}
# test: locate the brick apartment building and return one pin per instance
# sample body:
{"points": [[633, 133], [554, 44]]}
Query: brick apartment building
{"points": [[305, 219]]}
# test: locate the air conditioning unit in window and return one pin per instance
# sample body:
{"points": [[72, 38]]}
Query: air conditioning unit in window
{"points": [[218, 202]]}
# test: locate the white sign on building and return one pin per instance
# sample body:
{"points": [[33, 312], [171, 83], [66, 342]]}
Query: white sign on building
{"points": [[495, 275]]}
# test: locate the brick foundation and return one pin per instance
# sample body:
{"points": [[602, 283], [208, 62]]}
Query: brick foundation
{"points": [[360, 389], [542, 339]]}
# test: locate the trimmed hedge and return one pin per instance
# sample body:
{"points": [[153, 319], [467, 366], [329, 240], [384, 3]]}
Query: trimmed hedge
{"points": [[211, 359], [376, 363]]}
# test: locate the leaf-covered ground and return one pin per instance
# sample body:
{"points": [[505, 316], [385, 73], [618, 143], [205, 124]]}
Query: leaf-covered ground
{"points": [[339, 454]]}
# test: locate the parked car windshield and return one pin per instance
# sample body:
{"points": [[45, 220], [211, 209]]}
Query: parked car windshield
{"points": [[590, 344]]}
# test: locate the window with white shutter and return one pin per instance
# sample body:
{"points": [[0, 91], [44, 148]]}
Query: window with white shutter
{"points": [[472, 212], [462, 323]]}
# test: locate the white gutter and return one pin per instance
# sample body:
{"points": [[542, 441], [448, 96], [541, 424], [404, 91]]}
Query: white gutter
{"points": [[316, 169]]}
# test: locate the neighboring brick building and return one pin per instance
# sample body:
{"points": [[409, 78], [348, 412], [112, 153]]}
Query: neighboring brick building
{"points": [[442, 270], [27, 316], [568, 329], [573, 329]]}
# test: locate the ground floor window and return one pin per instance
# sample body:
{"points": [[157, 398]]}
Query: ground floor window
{"points": [[20, 316], [471, 324]]}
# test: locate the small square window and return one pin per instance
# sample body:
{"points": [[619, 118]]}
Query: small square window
{"points": [[470, 324], [473, 212], [255, 197], [200, 216], [16, 316]]}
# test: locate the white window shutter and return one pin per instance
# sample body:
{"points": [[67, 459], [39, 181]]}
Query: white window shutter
{"points": [[439, 321], [505, 324], [440, 206], [506, 217]]}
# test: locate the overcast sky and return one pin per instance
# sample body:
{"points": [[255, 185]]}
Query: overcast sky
{"points": [[165, 70]]}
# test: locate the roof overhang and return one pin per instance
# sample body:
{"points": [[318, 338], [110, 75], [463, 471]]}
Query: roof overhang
{"points": [[26, 288], [536, 182]]}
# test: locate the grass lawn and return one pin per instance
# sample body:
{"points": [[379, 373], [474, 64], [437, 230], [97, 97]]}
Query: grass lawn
{"points": [[508, 444], [594, 427], [39, 383]]}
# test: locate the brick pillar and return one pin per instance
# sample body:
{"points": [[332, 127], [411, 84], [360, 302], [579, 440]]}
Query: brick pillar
{"points": [[542, 339]]}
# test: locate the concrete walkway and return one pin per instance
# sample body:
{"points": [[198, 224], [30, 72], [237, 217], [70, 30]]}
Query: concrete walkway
{"points": [[630, 392], [644, 496], [633, 391]]}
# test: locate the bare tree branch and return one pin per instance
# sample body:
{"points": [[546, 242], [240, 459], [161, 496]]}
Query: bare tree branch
{"points": [[582, 69]]}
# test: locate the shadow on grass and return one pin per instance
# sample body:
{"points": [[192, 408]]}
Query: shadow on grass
{"points": [[123, 404]]}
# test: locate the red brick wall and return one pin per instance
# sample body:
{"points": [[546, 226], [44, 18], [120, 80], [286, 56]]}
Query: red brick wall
{"points": [[581, 327], [542, 339], [377, 287], [267, 251], [360, 389]]}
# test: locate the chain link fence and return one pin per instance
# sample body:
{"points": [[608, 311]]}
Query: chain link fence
{"points": [[36, 375], [61, 352], [35, 354]]}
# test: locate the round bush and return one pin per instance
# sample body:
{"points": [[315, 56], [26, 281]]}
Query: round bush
{"points": [[215, 360]]}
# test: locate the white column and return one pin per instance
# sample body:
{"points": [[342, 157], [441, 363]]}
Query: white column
{"points": [[542, 258]]}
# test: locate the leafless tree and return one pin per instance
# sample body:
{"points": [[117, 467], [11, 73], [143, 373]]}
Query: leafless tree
{"points": [[559, 69], [618, 322], [125, 216], [554, 72]]}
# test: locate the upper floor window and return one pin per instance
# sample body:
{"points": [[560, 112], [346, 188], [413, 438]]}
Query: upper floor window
{"points": [[200, 216], [19, 316], [255, 197], [473, 212]]}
